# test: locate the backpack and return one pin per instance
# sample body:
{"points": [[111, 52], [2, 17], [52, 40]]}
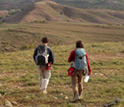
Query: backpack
{"points": [[42, 56], [80, 59]]}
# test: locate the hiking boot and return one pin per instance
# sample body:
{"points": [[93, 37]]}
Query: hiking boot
{"points": [[76, 98], [44, 92]]}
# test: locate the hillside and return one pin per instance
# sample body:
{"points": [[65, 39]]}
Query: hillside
{"points": [[85, 4], [16, 4], [94, 4], [3, 14], [51, 11], [15, 37]]}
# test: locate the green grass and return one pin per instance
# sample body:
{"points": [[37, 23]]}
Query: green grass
{"points": [[18, 72], [19, 77], [25, 36]]}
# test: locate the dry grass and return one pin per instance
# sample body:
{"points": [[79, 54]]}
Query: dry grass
{"points": [[19, 78], [15, 37], [18, 72]]}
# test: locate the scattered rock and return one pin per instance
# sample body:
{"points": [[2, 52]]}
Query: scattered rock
{"points": [[95, 73], [2, 49], [8, 104], [101, 74], [6, 49], [66, 98], [55, 98], [61, 94], [14, 103], [4, 43], [112, 103]]}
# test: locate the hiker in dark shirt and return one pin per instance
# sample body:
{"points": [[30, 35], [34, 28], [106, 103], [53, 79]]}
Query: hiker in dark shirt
{"points": [[44, 57]]}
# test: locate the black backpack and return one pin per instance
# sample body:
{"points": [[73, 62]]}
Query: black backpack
{"points": [[42, 56]]}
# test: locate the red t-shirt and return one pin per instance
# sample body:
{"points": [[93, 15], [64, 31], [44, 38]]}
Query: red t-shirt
{"points": [[72, 58]]}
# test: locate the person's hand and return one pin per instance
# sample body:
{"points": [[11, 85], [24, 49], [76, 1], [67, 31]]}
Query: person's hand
{"points": [[89, 73]]}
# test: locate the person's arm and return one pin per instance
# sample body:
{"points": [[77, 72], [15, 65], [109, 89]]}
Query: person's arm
{"points": [[88, 64], [35, 54], [51, 56], [71, 57]]}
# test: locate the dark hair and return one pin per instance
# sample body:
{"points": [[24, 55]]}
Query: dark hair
{"points": [[79, 44], [45, 40]]}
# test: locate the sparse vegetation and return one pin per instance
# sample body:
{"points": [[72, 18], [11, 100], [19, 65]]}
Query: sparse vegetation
{"points": [[85, 4], [25, 47], [13, 12], [122, 51], [94, 4], [69, 14], [18, 72], [104, 44], [59, 33]]}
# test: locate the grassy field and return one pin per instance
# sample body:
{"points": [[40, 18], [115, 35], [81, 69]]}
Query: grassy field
{"points": [[19, 36], [18, 72]]}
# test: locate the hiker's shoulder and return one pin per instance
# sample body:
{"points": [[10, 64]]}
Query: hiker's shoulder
{"points": [[40, 46], [49, 48], [73, 51]]}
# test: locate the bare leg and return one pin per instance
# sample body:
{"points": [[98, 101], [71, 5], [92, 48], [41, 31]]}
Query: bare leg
{"points": [[74, 88], [80, 84]]}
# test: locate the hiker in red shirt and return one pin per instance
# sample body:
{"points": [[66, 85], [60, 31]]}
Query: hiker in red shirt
{"points": [[78, 72]]}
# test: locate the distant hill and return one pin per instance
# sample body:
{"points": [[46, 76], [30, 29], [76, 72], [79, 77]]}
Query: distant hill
{"points": [[51, 11], [16, 4], [85, 4], [94, 4], [3, 14]]}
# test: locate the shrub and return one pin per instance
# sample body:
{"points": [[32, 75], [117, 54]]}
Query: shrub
{"points": [[122, 51], [25, 47]]}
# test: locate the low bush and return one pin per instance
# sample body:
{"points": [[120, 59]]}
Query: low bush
{"points": [[25, 47]]}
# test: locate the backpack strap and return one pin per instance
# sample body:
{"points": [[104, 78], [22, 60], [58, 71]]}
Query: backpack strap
{"points": [[46, 50]]}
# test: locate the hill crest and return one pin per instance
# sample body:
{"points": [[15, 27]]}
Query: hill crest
{"points": [[51, 11]]}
